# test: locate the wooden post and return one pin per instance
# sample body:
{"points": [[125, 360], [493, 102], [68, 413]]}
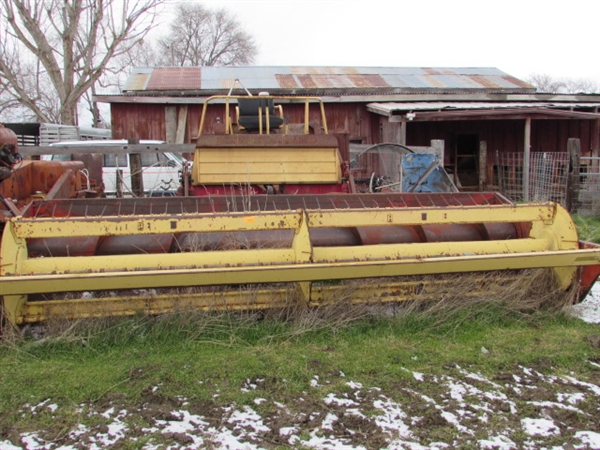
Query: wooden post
{"points": [[526, 157], [482, 165], [170, 124], [119, 183], [135, 165], [402, 133], [595, 144], [181, 124], [574, 151]]}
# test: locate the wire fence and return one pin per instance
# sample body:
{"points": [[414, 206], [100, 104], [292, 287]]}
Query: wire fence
{"points": [[548, 176], [588, 195]]}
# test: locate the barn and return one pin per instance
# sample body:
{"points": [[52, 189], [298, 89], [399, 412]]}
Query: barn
{"points": [[486, 120]]}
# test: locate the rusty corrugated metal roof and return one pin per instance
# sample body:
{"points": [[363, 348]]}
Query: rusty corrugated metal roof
{"points": [[178, 78], [388, 108], [138, 79], [350, 80]]}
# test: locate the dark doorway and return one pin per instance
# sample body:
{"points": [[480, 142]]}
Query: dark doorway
{"points": [[466, 161]]}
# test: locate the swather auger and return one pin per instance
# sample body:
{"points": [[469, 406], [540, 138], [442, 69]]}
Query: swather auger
{"points": [[304, 236]]}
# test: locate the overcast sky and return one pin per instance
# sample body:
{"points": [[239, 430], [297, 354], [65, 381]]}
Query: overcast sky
{"points": [[560, 38]]}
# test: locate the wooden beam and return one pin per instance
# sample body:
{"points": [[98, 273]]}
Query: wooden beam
{"points": [[595, 144], [106, 149], [402, 133], [526, 156], [353, 97], [497, 114], [181, 124], [137, 180], [574, 151], [482, 165], [170, 124]]}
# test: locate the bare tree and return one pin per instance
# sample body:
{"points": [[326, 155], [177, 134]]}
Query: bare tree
{"points": [[53, 51], [581, 86], [545, 83], [203, 37], [548, 84]]}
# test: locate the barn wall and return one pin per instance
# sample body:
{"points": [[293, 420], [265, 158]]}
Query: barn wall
{"points": [[147, 121], [140, 121], [507, 135]]}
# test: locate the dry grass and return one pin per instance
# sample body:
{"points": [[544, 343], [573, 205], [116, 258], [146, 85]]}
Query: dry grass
{"points": [[437, 300]]}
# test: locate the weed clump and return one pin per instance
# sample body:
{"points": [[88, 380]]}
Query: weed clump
{"points": [[242, 315]]}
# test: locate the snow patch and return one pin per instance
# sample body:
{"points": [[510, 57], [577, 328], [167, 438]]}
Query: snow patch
{"points": [[539, 427], [589, 309], [589, 439], [497, 443]]}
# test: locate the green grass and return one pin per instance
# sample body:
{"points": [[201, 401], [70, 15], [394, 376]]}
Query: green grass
{"points": [[197, 356], [588, 227]]}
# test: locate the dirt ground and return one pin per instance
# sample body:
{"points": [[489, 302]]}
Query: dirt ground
{"points": [[520, 407]]}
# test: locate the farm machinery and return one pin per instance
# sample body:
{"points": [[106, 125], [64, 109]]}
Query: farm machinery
{"points": [[273, 214]]}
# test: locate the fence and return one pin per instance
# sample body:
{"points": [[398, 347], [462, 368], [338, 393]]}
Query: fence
{"points": [[588, 195], [548, 176], [41, 134]]}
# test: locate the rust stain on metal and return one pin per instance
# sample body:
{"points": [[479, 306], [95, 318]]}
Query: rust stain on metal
{"points": [[307, 81], [286, 81], [371, 80], [431, 71], [175, 78], [517, 82], [342, 81], [228, 83], [484, 81], [350, 70], [137, 81], [432, 81]]}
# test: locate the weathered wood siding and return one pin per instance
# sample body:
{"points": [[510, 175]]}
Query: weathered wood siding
{"points": [[147, 121], [508, 135]]}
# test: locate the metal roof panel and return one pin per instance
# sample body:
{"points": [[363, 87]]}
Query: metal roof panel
{"points": [[388, 108], [175, 78], [352, 79]]}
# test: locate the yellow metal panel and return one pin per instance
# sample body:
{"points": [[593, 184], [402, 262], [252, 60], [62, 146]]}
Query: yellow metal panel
{"points": [[14, 285], [301, 252], [543, 214], [382, 291], [266, 166], [192, 260], [435, 215], [157, 224]]}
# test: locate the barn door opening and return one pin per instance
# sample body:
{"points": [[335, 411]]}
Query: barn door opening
{"points": [[466, 161]]}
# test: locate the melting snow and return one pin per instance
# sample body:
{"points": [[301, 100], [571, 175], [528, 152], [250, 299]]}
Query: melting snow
{"points": [[539, 427], [497, 443], [466, 407], [332, 399], [589, 309], [462, 406], [589, 439]]}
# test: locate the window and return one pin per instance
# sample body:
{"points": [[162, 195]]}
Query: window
{"points": [[111, 160], [154, 159]]}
